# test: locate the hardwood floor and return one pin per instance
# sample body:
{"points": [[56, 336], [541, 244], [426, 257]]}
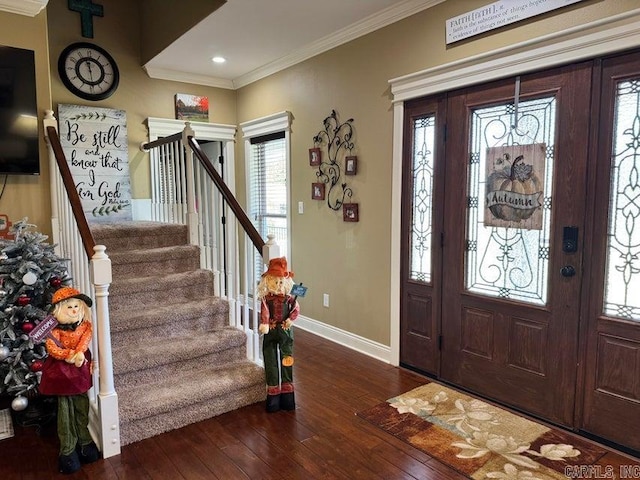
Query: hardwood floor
{"points": [[321, 439]]}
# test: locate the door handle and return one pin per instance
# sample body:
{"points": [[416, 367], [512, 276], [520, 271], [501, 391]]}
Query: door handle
{"points": [[568, 271]]}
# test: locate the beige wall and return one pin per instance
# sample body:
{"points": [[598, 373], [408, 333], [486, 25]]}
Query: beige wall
{"points": [[351, 262]]}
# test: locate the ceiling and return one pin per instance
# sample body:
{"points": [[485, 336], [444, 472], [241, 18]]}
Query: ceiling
{"points": [[261, 37]]}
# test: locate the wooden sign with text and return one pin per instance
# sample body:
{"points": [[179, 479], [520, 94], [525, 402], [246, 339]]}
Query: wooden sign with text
{"points": [[94, 141]]}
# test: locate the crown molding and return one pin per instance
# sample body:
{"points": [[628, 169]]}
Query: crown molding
{"points": [[186, 77], [385, 17], [23, 7]]}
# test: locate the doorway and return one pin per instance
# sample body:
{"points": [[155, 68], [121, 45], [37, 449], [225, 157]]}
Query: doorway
{"points": [[505, 194]]}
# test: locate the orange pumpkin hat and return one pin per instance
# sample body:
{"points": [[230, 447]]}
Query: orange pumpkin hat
{"points": [[278, 268], [65, 293]]}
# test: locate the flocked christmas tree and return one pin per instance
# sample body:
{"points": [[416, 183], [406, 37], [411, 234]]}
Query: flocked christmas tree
{"points": [[30, 272]]}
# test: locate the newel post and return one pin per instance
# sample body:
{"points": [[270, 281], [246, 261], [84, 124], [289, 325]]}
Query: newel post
{"points": [[192, 214], [107, 396], [270, 249]]}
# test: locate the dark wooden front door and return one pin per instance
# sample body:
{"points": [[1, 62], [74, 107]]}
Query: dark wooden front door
{"points": [[509, 314], [521, 258]]}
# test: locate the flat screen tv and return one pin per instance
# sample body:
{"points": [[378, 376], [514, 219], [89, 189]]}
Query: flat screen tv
{"points": [[19, 151]]}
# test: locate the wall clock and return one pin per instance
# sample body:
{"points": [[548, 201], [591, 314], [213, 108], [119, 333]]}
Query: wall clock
{"points": [[88, 71]]}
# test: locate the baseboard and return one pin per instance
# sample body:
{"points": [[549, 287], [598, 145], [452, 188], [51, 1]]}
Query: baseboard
{"points": [[355, 342]]}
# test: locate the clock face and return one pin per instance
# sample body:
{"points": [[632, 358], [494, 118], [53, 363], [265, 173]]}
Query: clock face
{"points": [[88, 71]]}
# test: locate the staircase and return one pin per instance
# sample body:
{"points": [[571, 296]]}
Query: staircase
{"points": [[175, 359]]}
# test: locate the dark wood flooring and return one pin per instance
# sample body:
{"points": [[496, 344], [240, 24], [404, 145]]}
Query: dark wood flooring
{"points": [[321, 439]]}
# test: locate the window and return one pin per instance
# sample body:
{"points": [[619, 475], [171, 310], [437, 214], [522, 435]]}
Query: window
{"points": [[267, 157]]}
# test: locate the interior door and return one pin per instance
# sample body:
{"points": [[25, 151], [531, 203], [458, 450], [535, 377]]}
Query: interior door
{"points": [[612, 354], [516, 155]]}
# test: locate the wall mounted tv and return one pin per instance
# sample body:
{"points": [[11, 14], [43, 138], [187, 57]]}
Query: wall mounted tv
{"points": [[19, 151]]}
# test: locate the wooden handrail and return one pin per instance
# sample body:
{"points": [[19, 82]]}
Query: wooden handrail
{"points": [[76, 206], [228, 196], [163, 141]]}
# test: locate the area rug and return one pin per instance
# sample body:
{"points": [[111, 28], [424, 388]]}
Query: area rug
{"points": [[480, 440]]}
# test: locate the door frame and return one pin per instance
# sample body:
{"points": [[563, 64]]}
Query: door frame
{"points": [[483, 68]]}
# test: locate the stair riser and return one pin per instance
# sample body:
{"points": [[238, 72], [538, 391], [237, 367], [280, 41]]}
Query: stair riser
{"points": [[131, 241], [174, 329], [133, 268], [134, 431], [137, 300], [175, 369]]}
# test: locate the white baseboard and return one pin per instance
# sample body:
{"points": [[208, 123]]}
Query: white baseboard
{"points": [[355, 342]]}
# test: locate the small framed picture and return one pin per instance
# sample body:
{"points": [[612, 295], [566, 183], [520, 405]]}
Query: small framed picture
{"points": [[317, 191], [350, 165], [350, 212], [315, 157]]}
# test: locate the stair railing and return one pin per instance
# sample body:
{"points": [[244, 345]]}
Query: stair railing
{"points": [[90, 268], [188, 188]]}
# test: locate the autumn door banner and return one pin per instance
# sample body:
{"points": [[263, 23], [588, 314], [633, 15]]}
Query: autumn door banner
{"points": [[94, 141], [514, 188]]}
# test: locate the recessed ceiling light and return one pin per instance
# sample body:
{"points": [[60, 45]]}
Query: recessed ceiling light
{"points": [[219, 59]]}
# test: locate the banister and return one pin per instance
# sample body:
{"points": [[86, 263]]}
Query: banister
{"points": [[76, 205], [228, 196], [162, 141]]}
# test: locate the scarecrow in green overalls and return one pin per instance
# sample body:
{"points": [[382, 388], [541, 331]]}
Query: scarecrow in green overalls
{"points": [[278, 310]]}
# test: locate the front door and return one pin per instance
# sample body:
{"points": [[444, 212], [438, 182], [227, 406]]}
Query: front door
{"points": [[491, 299], [521, 258], [514, 209]]}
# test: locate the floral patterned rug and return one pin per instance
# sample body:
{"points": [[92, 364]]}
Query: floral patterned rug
{"points": [[480, 440]]}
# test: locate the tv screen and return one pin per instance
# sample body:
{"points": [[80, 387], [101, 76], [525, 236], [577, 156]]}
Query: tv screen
{"points": [[19, 151]]}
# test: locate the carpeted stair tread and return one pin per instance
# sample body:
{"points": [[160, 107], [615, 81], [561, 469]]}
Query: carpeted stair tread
{"points": [[135, 294], [163, 315], [154, 352], [138, 234], [153, 261], [197, 386]]}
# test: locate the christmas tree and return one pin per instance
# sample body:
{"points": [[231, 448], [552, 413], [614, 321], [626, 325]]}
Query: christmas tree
{"points": [[30, 272]]}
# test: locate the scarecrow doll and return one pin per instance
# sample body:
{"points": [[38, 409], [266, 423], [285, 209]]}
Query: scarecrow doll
{"points": [[67, 374], [278, 310]]}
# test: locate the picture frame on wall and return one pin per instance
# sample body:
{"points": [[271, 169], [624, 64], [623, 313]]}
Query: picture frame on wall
{"points": [[350, 165], [317, 191], [350, 212], [193, 108], [315, 157]]}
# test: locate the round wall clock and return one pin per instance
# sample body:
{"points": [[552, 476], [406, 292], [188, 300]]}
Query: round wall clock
{"points": [[88, 71]]}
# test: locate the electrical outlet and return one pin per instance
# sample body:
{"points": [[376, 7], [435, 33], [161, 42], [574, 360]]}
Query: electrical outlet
{"points": [[325, 300]]}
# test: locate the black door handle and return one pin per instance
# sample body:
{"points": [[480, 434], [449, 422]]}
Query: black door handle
{"points": [[568, 271]]}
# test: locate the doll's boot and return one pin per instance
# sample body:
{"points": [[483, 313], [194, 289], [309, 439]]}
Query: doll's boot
{"points": [[273, 399], [88, 453], [69, 463], [287, 397]]}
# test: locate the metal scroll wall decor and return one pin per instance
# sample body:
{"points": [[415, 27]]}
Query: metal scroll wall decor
{"points": [[332, 154]]}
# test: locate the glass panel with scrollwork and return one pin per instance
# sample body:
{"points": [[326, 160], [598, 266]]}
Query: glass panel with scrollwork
{"points": [[422, 198], [507, 252], [622, 281]]}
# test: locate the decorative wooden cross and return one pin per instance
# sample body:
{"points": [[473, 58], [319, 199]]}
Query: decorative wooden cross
{"points": [[87, 9]]}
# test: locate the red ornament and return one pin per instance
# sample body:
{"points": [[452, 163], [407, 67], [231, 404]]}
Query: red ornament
{"points": [[55, 282], [27, 327], [23, 300], [37, 365]]}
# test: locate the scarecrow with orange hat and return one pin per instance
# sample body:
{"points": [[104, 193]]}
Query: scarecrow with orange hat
{"points": [[67, 374], [278, 310]]}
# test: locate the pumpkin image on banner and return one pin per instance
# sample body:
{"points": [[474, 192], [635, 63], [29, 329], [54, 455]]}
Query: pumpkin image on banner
{"points": [[514, 187]]}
